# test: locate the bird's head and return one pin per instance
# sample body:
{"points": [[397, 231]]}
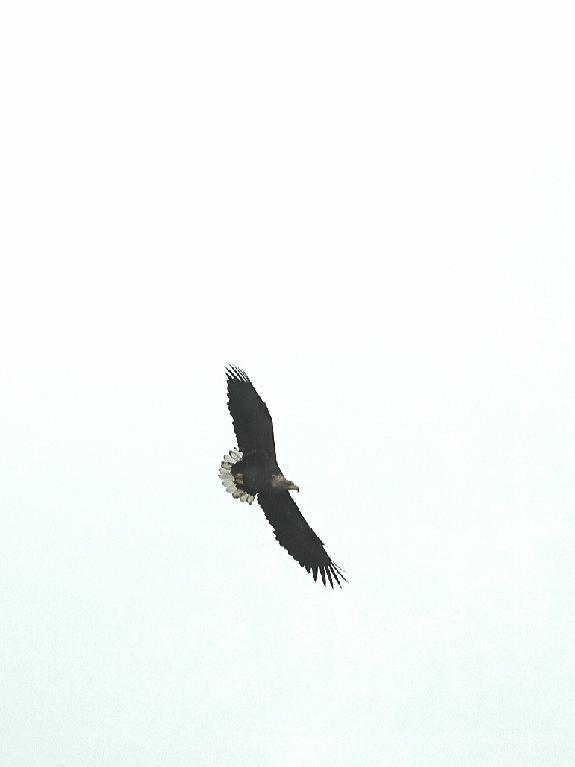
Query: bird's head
{"points": [[281, 483]]}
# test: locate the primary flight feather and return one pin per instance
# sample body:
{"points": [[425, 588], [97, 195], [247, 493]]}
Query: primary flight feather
{"points": [[251, 470]]}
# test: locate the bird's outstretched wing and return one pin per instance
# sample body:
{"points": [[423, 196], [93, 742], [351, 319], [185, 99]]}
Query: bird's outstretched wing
{"points": [[294, 534], [252, 421]]}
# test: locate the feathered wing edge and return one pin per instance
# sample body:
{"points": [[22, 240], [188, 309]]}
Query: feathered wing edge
{"points": [[296, 536], [235, 372]]}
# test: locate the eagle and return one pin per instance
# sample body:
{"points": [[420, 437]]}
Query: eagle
{"points": [[251, 470]]}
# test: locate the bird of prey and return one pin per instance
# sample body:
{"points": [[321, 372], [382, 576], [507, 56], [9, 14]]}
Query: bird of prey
{"points": [[251, 470]]}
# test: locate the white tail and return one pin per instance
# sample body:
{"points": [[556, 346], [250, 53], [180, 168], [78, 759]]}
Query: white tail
{"points": [[228, 480]]}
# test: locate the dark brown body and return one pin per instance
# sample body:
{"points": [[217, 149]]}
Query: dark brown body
{"points": [[258, 472]]}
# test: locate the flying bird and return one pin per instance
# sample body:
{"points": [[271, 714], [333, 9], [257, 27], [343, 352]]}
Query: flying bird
{"points": [[251, 470]]}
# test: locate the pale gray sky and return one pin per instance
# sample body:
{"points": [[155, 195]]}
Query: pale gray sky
{"points": [[369, 207]]}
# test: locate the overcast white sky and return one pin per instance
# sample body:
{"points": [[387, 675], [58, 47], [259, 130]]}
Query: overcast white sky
{"points": [[369, 207]]}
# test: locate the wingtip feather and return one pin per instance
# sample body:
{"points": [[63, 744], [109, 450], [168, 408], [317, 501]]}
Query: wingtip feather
{"points": [[235, 373]]}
